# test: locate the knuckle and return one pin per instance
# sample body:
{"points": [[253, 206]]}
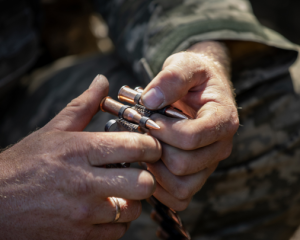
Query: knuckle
{"points": [[168, 61], [178, 166], [174, 57], [79, 104], [190, 140], [226, 152], [82, 184], [146, 184], [146, 190], [233, 123], [136, 146], [74, 103], [175, 74], [183, 192], [181, 205]]}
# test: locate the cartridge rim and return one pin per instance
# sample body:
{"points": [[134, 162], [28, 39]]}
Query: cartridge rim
{"points": [[121, 90], [102, 102]]}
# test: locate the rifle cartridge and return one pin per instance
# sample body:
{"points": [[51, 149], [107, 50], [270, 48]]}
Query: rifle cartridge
{"points": [[123, 111], [126, 94]]}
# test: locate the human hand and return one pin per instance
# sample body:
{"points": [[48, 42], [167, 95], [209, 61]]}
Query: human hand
{"points": [[52, 185], [197, 82]]}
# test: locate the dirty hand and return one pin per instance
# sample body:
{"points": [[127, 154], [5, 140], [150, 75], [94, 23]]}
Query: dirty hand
{"points": [[53, 184], [197, 82]]}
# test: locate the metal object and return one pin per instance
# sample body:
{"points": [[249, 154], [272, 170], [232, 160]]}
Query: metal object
{"points": [[171, 227], [136, 119], [118, 208], [123, 111], [139, 89], [173, 112], [109, 125], [142, 110], [126, 94]]}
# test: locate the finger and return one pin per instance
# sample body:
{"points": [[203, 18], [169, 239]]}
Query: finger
{"points": [[106, 211], [117, 147], [181, 72], [181, 162], [78, 113], [180, 187], [128, 183], [215, 123], [169, 200], [108, 231]]}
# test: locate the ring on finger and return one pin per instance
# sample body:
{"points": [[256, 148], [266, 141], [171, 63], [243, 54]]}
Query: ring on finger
{"points": [[118, 208]]}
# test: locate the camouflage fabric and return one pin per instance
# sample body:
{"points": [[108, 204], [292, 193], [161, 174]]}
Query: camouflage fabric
{"points": [[155, 29], [254, 194]]}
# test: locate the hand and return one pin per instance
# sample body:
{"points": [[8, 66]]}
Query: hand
{"points": [[52, 185], [197, 82]]}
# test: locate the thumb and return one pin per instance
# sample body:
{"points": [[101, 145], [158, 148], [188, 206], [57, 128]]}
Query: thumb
{"points": [[181, 72], [79, 112]]}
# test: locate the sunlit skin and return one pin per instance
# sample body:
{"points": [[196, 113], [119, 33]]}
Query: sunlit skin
{"points": [[51, 185], [51, 182], [197, 82]]}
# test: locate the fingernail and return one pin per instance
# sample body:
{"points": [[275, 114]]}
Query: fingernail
{"points": [[94, 81], [153, 98]]}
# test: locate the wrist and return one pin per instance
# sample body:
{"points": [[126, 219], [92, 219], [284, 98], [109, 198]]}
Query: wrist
{"points": [[215, 51], [218, 53]]}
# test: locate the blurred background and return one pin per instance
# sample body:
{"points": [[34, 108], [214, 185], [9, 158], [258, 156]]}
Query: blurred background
{"points": [[72, 28]]}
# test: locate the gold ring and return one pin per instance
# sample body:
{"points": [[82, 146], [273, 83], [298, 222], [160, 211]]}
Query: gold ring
{"points": [[118, 208]]}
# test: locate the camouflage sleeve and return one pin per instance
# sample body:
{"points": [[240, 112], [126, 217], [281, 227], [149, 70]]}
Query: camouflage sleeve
{"points": [[155, 29]]}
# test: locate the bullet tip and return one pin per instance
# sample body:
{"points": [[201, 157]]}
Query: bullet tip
{"points": [[172, 112], [152, 125]]}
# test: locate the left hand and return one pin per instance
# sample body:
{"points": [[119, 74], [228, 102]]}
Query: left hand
{"points": [[197, 82]]}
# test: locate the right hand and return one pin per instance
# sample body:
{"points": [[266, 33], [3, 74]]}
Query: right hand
{"points": [[197, 82], [52, 185]]}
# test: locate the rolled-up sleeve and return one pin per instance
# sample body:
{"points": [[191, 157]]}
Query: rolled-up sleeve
{"points": [[156, 29]]}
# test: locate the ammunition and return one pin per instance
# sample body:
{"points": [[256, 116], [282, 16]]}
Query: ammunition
{"points": [[126, 94], [139, 89], [124, 111], [120, 124], [174, 113]]}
